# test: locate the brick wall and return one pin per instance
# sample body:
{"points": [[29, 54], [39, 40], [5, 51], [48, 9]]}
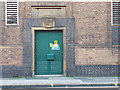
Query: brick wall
{"points": [[92, 28], [12, 51], [96, 56], [0, 23], [91, 22], [12, 56]]}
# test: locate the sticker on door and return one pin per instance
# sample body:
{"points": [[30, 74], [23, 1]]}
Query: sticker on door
{"points": [[55, 46]]}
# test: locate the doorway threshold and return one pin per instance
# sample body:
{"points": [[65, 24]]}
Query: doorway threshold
{"points": [[49, 75]]}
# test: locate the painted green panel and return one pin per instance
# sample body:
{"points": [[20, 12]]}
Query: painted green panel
{"points": [[43, 66], [56, 67]]}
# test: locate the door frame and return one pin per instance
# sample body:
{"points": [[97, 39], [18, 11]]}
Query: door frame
{"points": [[64, 48]]}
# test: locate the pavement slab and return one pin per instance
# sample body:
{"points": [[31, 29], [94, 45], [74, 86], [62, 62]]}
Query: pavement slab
{"points": [[61, 81]]}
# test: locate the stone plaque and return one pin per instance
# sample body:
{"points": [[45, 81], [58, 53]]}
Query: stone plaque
{"points": [[48, 22]]}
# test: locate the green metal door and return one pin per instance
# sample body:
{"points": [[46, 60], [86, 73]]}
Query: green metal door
{"points": [[48, 52]]}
